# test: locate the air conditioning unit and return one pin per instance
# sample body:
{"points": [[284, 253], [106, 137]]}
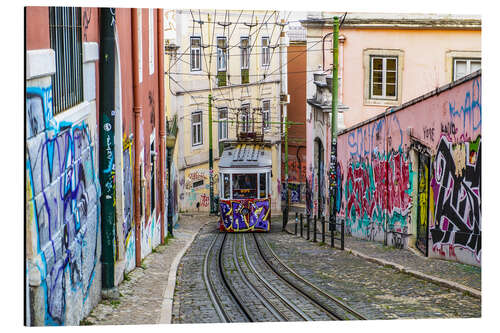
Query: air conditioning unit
{"points": [[284, 99]]}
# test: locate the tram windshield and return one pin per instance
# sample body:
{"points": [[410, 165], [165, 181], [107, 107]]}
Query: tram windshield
{"points": [[244, 186]]}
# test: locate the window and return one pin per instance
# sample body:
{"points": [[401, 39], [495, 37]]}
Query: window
{"points": [[245, 118], [262, 184], [226, 194], [151, 42], [245, 186], [245, 52], [222, 123], [66, 40], [196, 130], [265, 51], [221, 54], [384, 72], [195, 53], [463, 67], [266, 111]]}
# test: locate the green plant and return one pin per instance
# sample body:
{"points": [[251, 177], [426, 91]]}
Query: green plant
{"points": [[115, 303], [85, 322], [126, 277]]}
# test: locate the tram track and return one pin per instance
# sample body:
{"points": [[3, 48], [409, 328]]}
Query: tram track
{"points": [[247, 282], [326, 301]]}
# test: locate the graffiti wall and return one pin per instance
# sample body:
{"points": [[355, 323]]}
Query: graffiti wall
{"points": [[379, 179], [62, 221], [128, 205], [245, 215], [195, 188]]}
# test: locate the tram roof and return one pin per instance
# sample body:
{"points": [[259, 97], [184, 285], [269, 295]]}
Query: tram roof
{"points": [[246, 155]]}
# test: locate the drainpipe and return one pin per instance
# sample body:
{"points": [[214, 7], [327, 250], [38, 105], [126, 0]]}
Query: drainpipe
{"points": [[161, 96], [137, 94], [106, 146]]}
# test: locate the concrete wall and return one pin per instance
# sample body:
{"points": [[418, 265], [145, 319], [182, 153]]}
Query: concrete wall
{"points": [[378, 164], [63, 231], [63, 244]]}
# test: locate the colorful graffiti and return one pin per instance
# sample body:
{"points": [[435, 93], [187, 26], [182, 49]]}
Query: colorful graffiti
{"points": [[63, 210], [245, 215], [456, 188], [377, 190], [128, 207]]}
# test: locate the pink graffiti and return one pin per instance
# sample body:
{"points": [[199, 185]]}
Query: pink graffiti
{"points": [[385, 189], [205, 200]]}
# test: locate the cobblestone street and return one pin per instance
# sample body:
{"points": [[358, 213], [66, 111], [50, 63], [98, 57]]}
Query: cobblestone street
{"points": [[374, 290]]}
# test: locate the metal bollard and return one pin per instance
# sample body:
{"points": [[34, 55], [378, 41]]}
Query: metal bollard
{"points": [[308, 226], [301, 224], [332, 233], [296, 222], [314, 230], [342, 235], [323, 229]]}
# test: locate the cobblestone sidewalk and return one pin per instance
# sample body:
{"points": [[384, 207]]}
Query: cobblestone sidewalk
{"points": [[142, 293], [452, 274]]}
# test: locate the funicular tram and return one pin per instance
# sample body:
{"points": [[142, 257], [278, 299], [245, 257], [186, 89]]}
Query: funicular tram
{"points": [[245, 185]]}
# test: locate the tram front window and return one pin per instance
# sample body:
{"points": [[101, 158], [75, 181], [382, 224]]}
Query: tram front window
{"points": [[244, 186]]}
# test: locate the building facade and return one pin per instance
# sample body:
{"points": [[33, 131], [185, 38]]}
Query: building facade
{"points": [[384, 61], [85, 223], [412, 175], [234, 56]]}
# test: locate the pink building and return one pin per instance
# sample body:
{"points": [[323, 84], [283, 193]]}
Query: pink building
{"points": [[384, 61]]}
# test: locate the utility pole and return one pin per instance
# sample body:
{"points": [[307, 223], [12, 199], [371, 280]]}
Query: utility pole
{"points": [[333, 127], [107, 148], [210, 154], [285, 124]]}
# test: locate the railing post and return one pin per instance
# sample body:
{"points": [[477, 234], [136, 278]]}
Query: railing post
{"points": [[296, 221], [308, 226], [342, 235], [301, 224], [314, 230], [332, 233], [323, 229]]}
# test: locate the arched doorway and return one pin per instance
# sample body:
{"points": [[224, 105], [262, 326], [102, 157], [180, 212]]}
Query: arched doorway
{"points": [[319, 169]]}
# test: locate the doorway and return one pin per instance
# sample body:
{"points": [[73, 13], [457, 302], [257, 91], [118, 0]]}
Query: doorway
{"points": [[423, 204]]}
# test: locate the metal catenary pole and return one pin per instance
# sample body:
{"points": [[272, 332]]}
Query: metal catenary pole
{"points": [[210, 154], [333, 127], [106, 145]]}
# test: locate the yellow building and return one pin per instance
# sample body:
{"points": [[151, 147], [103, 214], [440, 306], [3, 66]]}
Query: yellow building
{"points": [[235, 57]]}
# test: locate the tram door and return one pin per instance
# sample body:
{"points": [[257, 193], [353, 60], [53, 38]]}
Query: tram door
{"points": [[423, 204]]}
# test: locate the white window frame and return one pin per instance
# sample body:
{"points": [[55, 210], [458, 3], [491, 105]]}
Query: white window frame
{"points": [[222, 55], [266, 57], [245, 58], [223, 124], [384, 78], [245, 118], [196, 129], [468, 64], [151, 42], [198, 55], [266, 114]]}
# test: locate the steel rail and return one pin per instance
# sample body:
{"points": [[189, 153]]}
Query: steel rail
{"points": [[276, 313], [229, 287], [330, 313], [210, 286], [276, 292], [299, 277]]}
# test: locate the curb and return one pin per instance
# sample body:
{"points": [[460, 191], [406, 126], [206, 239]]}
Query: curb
{"points": [[168, 293], [445, 283]]}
